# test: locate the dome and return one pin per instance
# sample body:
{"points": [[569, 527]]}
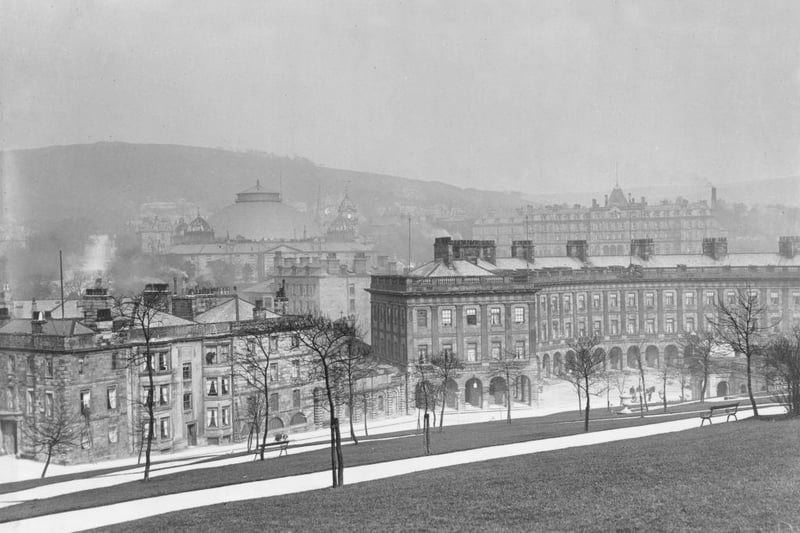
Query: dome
{"points": [[260, 214], [199, 225], [617, 198]]}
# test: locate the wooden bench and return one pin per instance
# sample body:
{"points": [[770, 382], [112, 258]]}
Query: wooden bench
{"points": [[726, 408], [283, 443]]}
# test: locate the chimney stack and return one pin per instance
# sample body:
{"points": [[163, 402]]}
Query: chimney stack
{"points": [[713, 197], [443, 250], [578, 249], [522, 250], [332, 263], [360, 263], [642, 248], [788, 247], [715, 247]]}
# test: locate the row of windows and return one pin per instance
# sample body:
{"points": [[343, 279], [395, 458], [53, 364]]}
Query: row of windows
{"points": [[471, 316], [472, 353]]}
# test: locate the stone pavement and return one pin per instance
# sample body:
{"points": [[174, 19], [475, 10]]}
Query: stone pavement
{"points": [[134, 510]]}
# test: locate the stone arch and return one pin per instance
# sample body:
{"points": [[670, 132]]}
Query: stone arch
{"points": [[380, 403], [451, 393], [473, 392], [722, 388], [298, 419], [546, 365], [743, 388], [633, 357], [522, 389], [557, 365], [600, 353], [275, 423], [498, 390], [605, 249], [671, 355], [615, 358], [651, 356]]}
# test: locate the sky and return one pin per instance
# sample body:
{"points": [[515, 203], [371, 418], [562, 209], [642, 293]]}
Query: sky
{"points": [[541, 97]]}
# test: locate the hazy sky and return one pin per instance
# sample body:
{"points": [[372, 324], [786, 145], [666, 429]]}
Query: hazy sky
{"points": [[535, 96]]}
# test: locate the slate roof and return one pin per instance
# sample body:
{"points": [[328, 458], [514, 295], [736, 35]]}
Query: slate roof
{"points": [[226, 312], [61, 328]]}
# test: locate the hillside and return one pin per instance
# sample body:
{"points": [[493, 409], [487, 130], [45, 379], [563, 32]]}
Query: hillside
{"points": [[108, 181]]}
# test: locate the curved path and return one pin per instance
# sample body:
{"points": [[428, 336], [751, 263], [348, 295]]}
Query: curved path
{"points": [[137, 509]]}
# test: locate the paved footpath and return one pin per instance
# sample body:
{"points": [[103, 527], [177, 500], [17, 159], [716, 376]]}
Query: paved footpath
{"points": [[134, 510]]}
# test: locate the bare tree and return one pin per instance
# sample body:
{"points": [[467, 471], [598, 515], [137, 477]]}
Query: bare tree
{"points": [[446, 366], [672, 369], [698, 348], [327, 342], [741, 325], [510, 367], [144, 312], [425, 392], [57, 432], [253, 365], [354, 364], [782, 364], [586, 368], [638, 357]]}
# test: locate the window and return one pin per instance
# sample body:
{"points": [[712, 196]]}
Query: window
{"points": [[669, 325], [650, 326], [669, 298], [630, 299], [30, 402], [274, 401], [163, 395], [796, 298], [774, 298], [80, 365], [597, 328], [447, 349], [422, 353], [273, 372], [688, 299], [595, 301], [211, 417], [48, 404], [111, 398], [472, 351], [542, 304], [567, 303], [226, 416], [224, 382], [211, 387], [730, 297], [494, 316], [472, 316], [554, 303], [296, 369], [295, 341], [710, 297], [613, 300], [630, 325], [11, 361], [543, 333], [519, 315], [497, 347], [164, 425], [568, 329], [211, 355], [187, 401], [555, 328], [163, 361], [614, 327], [649, 299], [48, 367], [581, 302], [447, 317], [86, 401], [187, 371], [273, 342], [690, 324], [296, 399], [113, 434], [519, 349]]}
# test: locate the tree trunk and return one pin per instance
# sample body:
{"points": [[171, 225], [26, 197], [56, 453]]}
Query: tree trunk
{"points": [[580, 400], [339, 456], [150, 413], [266, 423], [586, 411], [365, 416], [444, 404], [664, 395], [508, 396], [704, 385], [351, 406], [427, 422], [334, 466], [750, 389], [47, 463]]}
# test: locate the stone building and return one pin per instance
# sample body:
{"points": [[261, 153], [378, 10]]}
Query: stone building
{"points": [[476, 304], [677, 227]]}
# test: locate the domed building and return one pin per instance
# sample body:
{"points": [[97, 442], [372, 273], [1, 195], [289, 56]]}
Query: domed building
{"points": [[260, 214], [344, 227]]}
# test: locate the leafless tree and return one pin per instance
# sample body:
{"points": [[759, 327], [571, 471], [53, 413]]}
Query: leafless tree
{"points": [[425, 392], [671, 370], [510, 366], [57, 432], [741, 324], [143, 312], [586, 368], [698, 349], [638, 359], [782, 365], [253, 366], [446, 366], [354, 363], [327, 342]]}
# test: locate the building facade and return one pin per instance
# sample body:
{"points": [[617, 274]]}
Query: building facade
{"points": [[677, 227]]}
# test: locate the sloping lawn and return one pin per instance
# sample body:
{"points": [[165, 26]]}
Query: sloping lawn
{"points": [[373, 450], [729, 477]]}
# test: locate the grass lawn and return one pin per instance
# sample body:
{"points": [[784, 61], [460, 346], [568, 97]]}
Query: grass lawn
{"points": [[373, 450], [729, 477]]}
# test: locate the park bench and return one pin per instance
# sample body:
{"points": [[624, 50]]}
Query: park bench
{"points": [[281, 441], [726, 408]]}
